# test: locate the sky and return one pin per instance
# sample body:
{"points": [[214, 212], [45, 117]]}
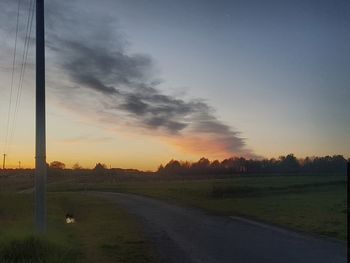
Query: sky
{"points": [[135, 83]]}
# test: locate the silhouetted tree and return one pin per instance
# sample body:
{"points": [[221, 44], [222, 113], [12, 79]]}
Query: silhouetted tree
{"points": [[76, 166], [202, 166], [173, 167], [289, 163], [57, 165], [284, 164], [160, 169], [100, 167]]}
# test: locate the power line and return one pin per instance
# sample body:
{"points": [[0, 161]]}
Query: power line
{"points": [[23, 66], [12, 78]]}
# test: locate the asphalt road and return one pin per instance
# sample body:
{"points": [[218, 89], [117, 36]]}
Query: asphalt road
{"points": [[189, 235]]}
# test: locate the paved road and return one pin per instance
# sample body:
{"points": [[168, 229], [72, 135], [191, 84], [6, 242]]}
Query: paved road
{"points": [[188, 235]]}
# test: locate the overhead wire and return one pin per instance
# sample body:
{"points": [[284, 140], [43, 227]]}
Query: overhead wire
{"points": [[26, 46], [12, 80]]}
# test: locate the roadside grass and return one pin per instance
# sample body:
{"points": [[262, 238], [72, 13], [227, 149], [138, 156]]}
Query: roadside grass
{"points": [[313, 204], [35, 249], [103, 232], [9, 184]]}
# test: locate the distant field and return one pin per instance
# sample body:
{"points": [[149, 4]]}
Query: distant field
{"points": [[314, 204], [103, 232]]}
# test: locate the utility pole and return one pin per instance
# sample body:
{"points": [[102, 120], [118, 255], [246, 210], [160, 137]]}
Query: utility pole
{"points": [[40, 142], [19, 164], [4, 161]]}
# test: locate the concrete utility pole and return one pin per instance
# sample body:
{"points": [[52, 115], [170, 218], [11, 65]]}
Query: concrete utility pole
{"points": [[40, 143], [4, 161]]}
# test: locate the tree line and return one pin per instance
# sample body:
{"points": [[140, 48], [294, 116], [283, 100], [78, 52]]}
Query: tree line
{"points": [[239, 165], [288, 164]]}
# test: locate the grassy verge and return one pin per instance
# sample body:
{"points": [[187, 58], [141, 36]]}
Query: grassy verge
{"points": [[102, 232], [36, 249], [314, 204]]}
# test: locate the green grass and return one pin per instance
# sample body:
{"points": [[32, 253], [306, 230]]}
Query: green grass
{"points": [[102, 232], [314, 204], [106, 233], [9, 184], [36, 249]]}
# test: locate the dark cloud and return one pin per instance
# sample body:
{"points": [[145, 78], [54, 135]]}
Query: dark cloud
{"points": [[98, 68], [92, 51]]}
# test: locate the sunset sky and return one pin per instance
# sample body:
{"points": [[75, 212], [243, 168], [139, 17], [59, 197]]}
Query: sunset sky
{"points": [[135, 83]]}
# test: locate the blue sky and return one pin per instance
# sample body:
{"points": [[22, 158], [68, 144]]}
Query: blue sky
{"points": [[281, 68]]}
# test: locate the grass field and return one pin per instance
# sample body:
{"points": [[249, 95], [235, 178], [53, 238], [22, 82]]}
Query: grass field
{"points": [[102, 233], [107, 233], [314, 204]]}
